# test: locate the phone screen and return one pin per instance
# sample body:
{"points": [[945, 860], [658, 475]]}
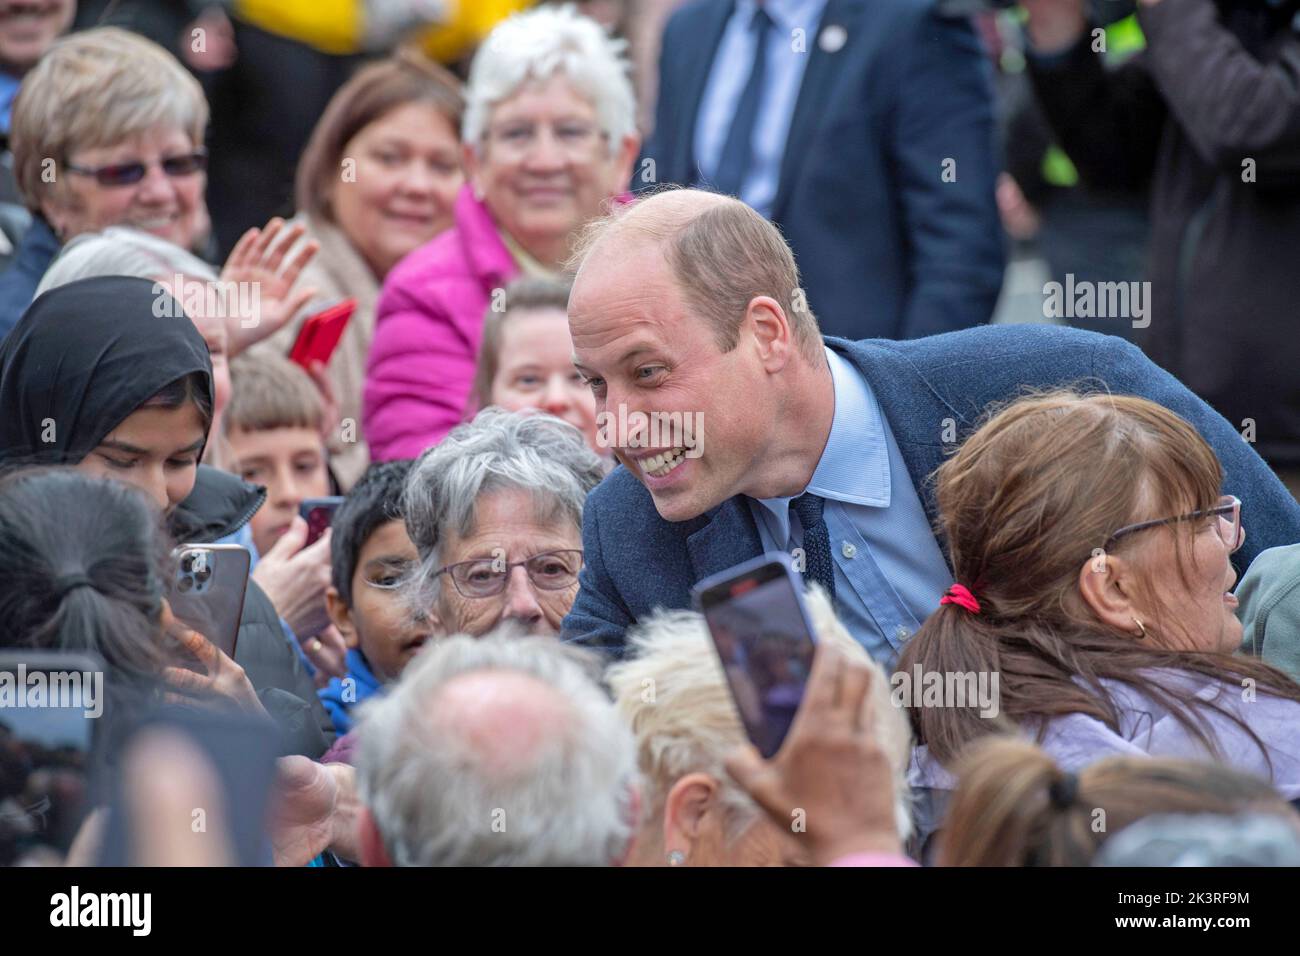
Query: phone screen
{"points": [[50, 704], [319, 515], [762, 636]]}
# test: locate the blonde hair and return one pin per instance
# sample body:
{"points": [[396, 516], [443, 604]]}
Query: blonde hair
{"points": [[675, 697], [268, 391], [95, 89]]}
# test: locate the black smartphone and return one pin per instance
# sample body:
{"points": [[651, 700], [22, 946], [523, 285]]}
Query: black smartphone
{"points": [[51, 706], [319, 515], [764, 638], [207, 593]]}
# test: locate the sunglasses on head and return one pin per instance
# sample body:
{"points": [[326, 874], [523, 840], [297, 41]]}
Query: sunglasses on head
{"points": [[127, 174]]}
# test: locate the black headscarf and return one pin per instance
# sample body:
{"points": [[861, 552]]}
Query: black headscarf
{"points": [[83, 358]]}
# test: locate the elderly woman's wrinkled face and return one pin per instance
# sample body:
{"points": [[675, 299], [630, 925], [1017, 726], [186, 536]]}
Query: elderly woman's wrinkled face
{"points": [[509, 528], [28, 27], [407, 176], [535, 370], [168, 205], [545, 166]]}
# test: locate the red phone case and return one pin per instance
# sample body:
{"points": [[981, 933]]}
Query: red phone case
{"points": [[321, 333]]}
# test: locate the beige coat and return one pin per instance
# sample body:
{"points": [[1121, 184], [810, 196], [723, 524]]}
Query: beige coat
{"points": [[338, 272]]}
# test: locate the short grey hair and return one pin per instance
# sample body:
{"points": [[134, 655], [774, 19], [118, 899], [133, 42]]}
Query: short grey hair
{"points": [[435, 796], [538, 43], [499, 450], [673, 693], [123, 251]]}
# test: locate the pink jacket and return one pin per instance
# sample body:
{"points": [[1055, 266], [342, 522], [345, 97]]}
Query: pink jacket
{"points": [[427, 328]]}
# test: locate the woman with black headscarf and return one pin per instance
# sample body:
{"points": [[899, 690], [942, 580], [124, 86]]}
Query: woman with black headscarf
{"points": [[109, 376]]}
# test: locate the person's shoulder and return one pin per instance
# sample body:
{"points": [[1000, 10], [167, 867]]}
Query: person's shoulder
{"points": [[625, 511], [987, 344], [690, 15]]}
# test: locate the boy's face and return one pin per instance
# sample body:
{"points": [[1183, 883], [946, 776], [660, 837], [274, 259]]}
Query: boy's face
{"points": [[291, 463], [379, 621]]}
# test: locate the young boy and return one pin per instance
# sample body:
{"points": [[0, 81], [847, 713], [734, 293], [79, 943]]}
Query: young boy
{"points": [[273, 429], [371, 553]]}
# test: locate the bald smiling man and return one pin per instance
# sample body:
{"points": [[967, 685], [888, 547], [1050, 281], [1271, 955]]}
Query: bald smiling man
{"points": [[740, 429]]}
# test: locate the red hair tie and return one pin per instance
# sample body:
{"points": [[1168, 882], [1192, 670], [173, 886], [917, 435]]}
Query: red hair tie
{"points": [[960, 594]]}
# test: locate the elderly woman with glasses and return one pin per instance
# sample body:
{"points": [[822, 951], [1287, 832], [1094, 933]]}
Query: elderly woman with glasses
{"points": [[495, 512], [549, 142], [1091, 542]]}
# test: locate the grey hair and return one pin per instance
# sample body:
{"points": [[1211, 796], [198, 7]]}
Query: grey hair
{"points": [[498, 450], [673, 693], [436, 799], [538, 43], [122, 251]]}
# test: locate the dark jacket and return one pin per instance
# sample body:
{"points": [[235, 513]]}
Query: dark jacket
{"points": [[1209, 114], [18, 282], [886, 244], [220, 505], [635, 561]]}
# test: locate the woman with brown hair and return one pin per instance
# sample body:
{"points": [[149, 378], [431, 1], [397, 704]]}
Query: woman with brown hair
{"points": [[1090, 542], [1014, 806], [377, 179]]}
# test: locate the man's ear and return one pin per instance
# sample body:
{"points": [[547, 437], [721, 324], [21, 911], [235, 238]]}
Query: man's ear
{"points": [[373, 851], [1106, 586], [341, 616], [690, 798], [773, 335]]}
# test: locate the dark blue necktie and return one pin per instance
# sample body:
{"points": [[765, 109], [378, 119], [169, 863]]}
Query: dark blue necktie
{"points": [[733, 165], [818, 564]]}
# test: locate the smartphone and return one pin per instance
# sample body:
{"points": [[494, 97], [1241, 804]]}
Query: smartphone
{"points": [[207, 592], [319, 515], [320, 334], [49, 720], [764, 638]]}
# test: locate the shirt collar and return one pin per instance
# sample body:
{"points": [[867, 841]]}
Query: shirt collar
{"points": [[786, 14], [854, 466]]}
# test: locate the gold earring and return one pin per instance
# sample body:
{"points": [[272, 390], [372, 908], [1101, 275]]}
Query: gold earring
{"points": [[1142, 631]]}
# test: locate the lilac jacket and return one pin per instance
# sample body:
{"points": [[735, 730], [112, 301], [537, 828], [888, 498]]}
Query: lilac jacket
{"points": [[1148, 729], [427, 327]]}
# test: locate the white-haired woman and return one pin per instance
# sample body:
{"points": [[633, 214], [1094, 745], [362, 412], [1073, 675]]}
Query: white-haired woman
{"points": [[549, 141], [673, 693], [495, 512]]}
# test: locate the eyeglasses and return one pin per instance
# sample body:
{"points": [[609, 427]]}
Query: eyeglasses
{"points": [[487, 577], [517, 139], [128, 174], [1228, 523]]}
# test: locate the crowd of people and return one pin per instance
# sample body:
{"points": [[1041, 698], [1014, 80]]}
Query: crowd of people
{"points": [[633, 293]]}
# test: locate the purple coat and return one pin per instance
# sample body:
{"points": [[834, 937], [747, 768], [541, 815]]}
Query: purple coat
{"points": [[427, 328]]}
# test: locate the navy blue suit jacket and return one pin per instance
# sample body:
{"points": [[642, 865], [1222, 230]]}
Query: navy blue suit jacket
{"points": [[886, 247], [637, 562]]}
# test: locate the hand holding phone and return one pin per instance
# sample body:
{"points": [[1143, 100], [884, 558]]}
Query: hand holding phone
{"points": [[764, 638], [320, 334]]}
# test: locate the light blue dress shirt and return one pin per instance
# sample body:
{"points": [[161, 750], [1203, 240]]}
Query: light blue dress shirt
{"points": [[787, 58], [889, 569]]}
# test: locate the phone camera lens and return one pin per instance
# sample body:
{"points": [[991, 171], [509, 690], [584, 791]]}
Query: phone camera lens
{"points": [[184, 584]]}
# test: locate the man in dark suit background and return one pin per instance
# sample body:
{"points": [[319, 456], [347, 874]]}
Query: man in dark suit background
{"points": [[800, 442], [864, 129]]}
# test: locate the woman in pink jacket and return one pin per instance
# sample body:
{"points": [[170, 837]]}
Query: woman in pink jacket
{"points": [[550, 140]]}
